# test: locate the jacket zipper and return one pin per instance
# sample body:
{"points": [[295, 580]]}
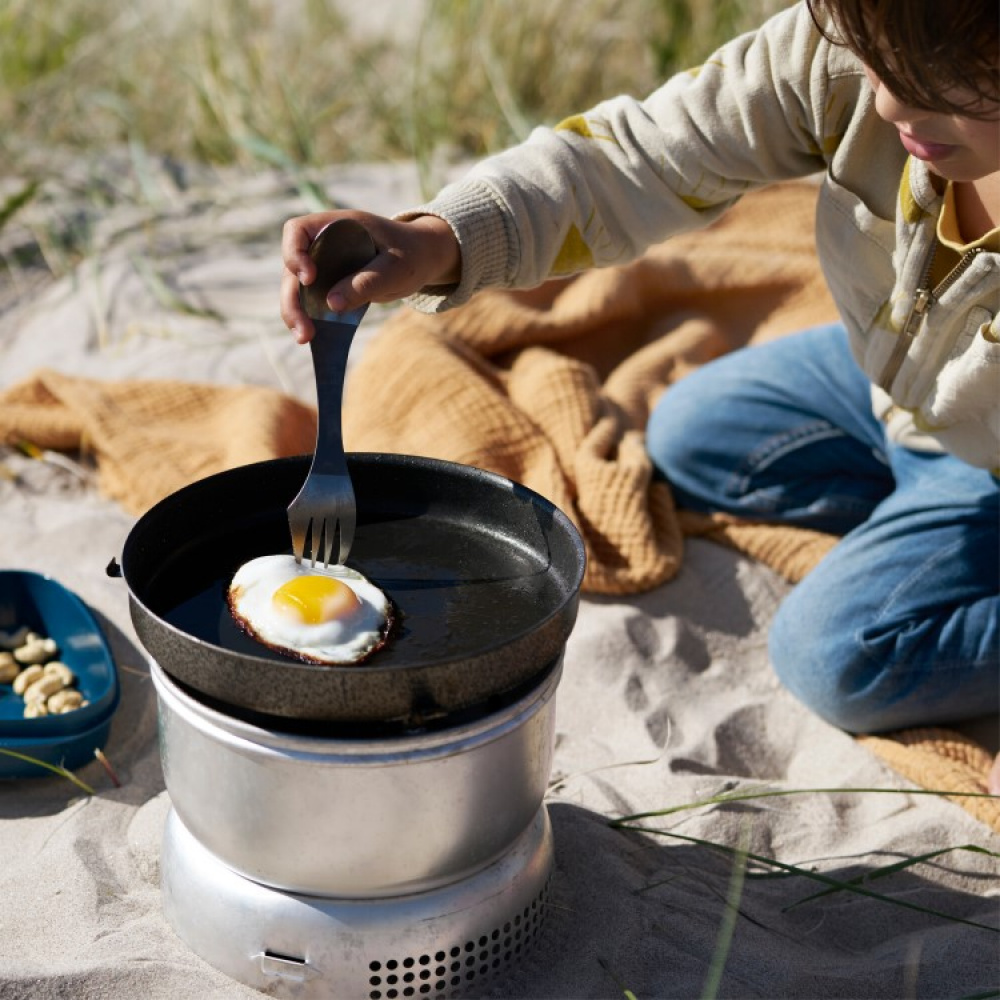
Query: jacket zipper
{"points": [[923, 299]]}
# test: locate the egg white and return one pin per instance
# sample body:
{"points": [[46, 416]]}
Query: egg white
{"points": [[343, 640]]}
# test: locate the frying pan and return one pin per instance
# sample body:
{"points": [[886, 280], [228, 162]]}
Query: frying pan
{"points": [[484, 575]]}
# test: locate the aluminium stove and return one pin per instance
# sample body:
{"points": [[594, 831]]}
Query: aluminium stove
{"points": [[406, 865]]}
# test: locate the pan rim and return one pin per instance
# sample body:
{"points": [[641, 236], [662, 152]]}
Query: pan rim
{"points": [[402, 460]]}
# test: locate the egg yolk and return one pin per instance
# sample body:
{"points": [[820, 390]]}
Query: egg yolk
{"points": [[315, 599]]}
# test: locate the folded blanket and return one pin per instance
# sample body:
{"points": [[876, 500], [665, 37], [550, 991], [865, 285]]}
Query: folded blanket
{"points": [[151, 437], [552, 387]]}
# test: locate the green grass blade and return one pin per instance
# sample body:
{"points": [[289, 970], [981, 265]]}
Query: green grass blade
{"points": [[314, 196], [54, 768], [724, 937], [556, 783], [896, 866], [167, 297], [15, 202], [764, 792], [816, 877]]}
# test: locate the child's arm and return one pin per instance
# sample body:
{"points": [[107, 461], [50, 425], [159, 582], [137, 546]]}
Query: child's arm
{"points": [[600, 188]]}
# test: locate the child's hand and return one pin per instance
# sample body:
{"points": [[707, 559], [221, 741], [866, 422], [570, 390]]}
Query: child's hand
{"points": [[411, 255]]}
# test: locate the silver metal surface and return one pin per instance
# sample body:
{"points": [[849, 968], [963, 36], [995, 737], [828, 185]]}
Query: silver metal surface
{"points": [[454, 941], [356, 818], [323, 517]]}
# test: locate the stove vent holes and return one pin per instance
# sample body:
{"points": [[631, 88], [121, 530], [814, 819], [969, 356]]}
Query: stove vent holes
{"points": [[450, 972]]}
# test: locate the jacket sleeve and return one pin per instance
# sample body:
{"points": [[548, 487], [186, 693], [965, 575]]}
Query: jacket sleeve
{"points": [[601, 187]]}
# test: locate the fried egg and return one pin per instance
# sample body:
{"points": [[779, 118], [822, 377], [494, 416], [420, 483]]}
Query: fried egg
{"points": [[316, 613]]}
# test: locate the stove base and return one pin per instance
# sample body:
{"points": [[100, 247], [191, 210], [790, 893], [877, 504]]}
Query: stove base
{"points": [[454, 941]]}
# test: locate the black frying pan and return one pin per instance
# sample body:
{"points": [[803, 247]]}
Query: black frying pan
{"points": [[484, 573]]}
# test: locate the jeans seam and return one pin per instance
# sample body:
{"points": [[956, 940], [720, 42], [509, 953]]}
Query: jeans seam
{"points": [[776, 447], [865, 646]]}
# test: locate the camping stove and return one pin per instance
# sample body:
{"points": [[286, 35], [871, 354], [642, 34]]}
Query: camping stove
{"points": [[307, 861]]}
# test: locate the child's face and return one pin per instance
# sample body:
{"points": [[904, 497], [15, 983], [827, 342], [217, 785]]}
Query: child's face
{"points": [[955, 147]]}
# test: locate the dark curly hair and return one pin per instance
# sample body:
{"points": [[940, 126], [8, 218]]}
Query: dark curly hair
{"points": [[930, 54]]}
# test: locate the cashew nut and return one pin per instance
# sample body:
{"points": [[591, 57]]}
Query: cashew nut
{"points": [[46, 685], [60, 670], [27, 677], [64, 701], [8, 668], [36, 650]]}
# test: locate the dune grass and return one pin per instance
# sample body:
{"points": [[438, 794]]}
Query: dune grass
{"points": [[121, 104], [748, 866], [302, 84]]}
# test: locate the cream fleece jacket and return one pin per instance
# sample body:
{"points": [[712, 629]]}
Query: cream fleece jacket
{"points": [[778, 103]]}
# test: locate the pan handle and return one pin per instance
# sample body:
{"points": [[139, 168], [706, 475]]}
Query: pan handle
{"points": [[113, 569]]}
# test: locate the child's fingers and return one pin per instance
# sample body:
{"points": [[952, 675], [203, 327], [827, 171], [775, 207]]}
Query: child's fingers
{"points": [[292, 313], [296, 238], [369, 284]]}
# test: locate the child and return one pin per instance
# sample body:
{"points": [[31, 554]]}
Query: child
{"points": [[884, 428]]}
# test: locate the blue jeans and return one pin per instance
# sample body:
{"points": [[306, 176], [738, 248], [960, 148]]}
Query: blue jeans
{"points": [[898, 625]]}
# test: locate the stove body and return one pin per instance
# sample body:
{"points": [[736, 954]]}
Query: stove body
{"points": [[311, 865]]}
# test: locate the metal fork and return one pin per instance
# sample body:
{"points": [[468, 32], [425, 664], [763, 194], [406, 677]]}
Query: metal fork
{"points": [[323, 516]]}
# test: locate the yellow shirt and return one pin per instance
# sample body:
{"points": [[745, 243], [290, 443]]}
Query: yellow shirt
{"points": [[951, 245]]}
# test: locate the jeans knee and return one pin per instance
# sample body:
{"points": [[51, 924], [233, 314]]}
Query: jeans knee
{"points": [[866, 670], [673, 427], [816, 658]]}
